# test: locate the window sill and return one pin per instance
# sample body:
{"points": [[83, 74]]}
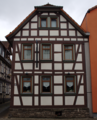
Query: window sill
{"points": [[26, 94], [46, 94], [25, 61], [46, 61], [48, 28], [67, 61], [69, 94]]}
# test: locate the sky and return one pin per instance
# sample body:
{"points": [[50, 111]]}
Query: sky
{"points": [[12, 12]]}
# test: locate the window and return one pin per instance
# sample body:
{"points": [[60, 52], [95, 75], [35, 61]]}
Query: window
{"points": [[7, 89], [27, 52], [0, 87], [46, 52], [53, 22], [46, 84], [68, 52], [2, 68], [43, 22], [70, 84], [26, 84]]}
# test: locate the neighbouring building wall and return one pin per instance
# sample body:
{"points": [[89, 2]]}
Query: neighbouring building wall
{"points": [[90, 25]]}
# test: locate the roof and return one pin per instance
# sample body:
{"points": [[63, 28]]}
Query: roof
{"points": [[6, 44], [11, 34]]}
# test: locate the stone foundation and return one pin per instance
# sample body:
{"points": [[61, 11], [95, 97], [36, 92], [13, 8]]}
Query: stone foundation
{"points": [[49, 113]]}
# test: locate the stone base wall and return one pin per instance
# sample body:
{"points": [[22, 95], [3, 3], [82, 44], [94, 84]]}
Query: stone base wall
{"points": [[49, 113]]}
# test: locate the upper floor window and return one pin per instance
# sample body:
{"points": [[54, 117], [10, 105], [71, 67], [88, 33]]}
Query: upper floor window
{"points": [[70, 84], [43, 22], [27, 52], [46, 52], [53, 22], [68, 52]]}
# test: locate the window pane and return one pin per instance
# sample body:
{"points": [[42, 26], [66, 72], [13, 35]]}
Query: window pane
{"points": [[69, 87], [46, 54], [26, 86], [27, 47], [27, 54], [46, 46], [43, 22], [68, 54], [53, 23], [68, 47], [45, 78], [46, 87], [69, 78], [26, 79]]}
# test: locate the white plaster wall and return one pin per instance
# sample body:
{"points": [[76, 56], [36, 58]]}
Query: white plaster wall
{"points": [[19, 45], [28, 66], [62, 18], [30, 39], [15, 90], [47, 72], [27, 101], [45, 39], [36, 79], [79, 57], [78, 34], [71, 32], [33, 25], [78, 66], [38, 39], [16, 49], [80, 48], [69, 100], [66, 39], [17, 57], [70, 26], [16, 39], [36, 88], [76, 47], [81, 89], [16, 101], [35, 101], [33, 32], [57, 56], [35, 56], [58, 79], [19, 72], [46, 66], [27, 72], [18, 34], [73, 39], [17, 66], [23, 39], [36, 68], [54, 33], [57, 66], [43, 32], [34, 18], [52, 39], [63, 25], [80, 100], [58, 100], [57, 48], [80, 39], [26, 26], [85, 39], [52, 14], [82, 79], [63, 32], [58, 90], [37, 72], [25, 33], [59, 39], [78, 77], [44, 14], [46, 100], [68, 66], [58, 73]]}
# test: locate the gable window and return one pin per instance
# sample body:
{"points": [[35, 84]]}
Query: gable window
{"points": [[68, 52], [70, 84], [53, 22], [43, 22], [26, 84], [46, 52], [46, 84]]}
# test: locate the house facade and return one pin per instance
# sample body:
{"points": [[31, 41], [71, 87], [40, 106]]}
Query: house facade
{"points": [[90, 24], [49, 65], [5, 73]]}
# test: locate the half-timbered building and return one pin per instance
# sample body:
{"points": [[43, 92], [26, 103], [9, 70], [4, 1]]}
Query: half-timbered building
{"points": [[49, 67], [5, 72]]}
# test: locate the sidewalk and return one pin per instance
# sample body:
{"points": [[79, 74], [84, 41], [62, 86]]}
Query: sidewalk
{"points": [[4, 106]]}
